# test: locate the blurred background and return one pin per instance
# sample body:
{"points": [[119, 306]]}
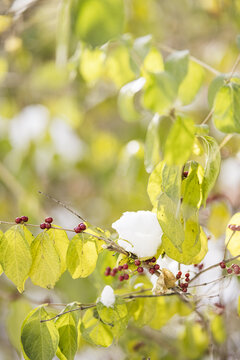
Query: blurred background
{"points": [[65, 131]]}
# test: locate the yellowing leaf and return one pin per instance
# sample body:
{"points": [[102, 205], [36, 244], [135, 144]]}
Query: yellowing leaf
{"points": [[116, 316], [192, 83], [46, 265], [204, 248], [232, 240], [39, 340], [218, 218], [169, 278], [94, 330], [155, 183], [92, 64], [61, 243], [15, 256], [218, 329], [81, 256], [153, 62]]}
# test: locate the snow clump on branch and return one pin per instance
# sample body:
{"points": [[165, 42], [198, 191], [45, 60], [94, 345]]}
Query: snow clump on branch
{"points": [[107, 297]]}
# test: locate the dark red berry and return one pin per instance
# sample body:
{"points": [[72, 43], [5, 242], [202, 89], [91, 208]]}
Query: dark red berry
{"points": [[236, 269], [200, 266], [156, 267], [120, 268], [77, 229], [18, 220], [49, 220], [24, 218], [115, 270], [153, 260], [125, 266], [82, 226], [187, 279], [184, 290], [180, 273], [48, 226], [222, 264], [121, 278], [112, 273], [229, 271], [107, 273], [108, 268], [185, 174], [43, 226], [126, 276], [187, 275], [182, 285], [152, 271], [178, 276], [195, 265], [140, 269], [137, 262]]}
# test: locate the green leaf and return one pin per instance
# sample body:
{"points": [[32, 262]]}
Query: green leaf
{"points": [[212, 165], [67, 326], [15, 255], [117, 316], [99, 21], [17, 312], [171, 181], [192, 83], [126, 97], [204, 247], [39, 340], [218, 218], [143, 311], [81, 256], [215, 85], [169, 219], [192, 189], [202, 129], [226, 108], [164, 310], [160, 92], [153, 62], [92, 64], [61, 243], [94, 330], [46, 265], [191, 245], [194, 341], [154, 187], [177, 65], [152, 147], [180, 141], [142, 45]]}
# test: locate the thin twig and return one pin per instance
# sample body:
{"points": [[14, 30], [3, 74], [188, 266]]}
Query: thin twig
{"points": [[225, 249], [234, 67], [225, 140], [210, 282], [69, 311], [207, 117]]}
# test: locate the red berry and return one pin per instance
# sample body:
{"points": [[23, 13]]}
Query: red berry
{"points": [[43, 226], [153, 260], [236, 269], [152, 271], [187, 279], [195, 265], [140, 269], [200, 266], [229, 271], [120, 268], [185, 174], [18, 220], [115, 270], [48, 226], [184, 290], [156, 267], [82, 226], [77, 229], [107, 273], [125, 266], [24, 218], [126, 276], [187, 275], [112, 273], [49, 220], [222, 264], [137, 262], [121, 278], [180, 273], [178, 276], [108, 268]]}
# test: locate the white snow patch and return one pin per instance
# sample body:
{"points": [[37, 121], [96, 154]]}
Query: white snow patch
{"points": [[107, 296], [139, 232]]}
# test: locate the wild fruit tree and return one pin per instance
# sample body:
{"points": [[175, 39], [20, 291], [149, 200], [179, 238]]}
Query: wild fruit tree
{"points": [[153, 262]]}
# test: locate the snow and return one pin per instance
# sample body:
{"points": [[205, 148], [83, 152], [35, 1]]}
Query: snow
{"points": [[139, 232], [107, 296]]}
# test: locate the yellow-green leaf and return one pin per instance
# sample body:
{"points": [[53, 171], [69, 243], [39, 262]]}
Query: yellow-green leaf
{"points": [[117, 316], [154, 187], [81, 256], [232, 239], [61, 243], [39, 340], [192, 83], [177, 65], [218, 329], [15, 256], [218, 218], [46, 266]]}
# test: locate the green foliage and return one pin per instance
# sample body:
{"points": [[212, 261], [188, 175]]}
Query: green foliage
{"points": [[177, 65]]}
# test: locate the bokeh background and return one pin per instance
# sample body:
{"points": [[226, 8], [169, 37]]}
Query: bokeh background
{"points": [[64, 131]]}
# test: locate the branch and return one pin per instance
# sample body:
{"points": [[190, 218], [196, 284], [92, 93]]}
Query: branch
{"points": [[82, 307], [210, 282]]}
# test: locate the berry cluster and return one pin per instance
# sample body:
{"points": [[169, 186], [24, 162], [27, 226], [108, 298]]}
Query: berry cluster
{"points": [[114, 271], [47, 224], [21, 220], [199, 266], [233, 269], [234, 227], [183, 286], [81, 227]]}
